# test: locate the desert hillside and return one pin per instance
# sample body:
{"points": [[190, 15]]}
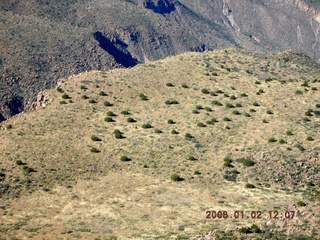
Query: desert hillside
{"points": [[43, 41], [146, 152]]}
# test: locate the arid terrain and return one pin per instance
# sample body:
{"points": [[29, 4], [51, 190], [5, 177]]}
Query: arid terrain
{"points": [[150, 151], [44, 41]]}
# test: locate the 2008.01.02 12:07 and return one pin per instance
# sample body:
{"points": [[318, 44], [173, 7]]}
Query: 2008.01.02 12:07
{"points": [[275, 214]]}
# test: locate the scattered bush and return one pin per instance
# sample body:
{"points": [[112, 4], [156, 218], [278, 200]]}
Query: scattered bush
{"points": [[175, 177], [252, 110], [174, 132], [82, 87], [305, 84], [197, 172], [194, 111], [247, 162], [226, 119], [205, 91], [264, 120], [192, 158], [282, 141], [170, 121], [111, 114], [188, 136], [225, 95], [219, 91], [249, 185], [200, 124], [124, 159], [84, 97], [108, 119], [157, 130], [63, 102], [92, 101], [171, 101], [289, 133], [65, 96], [28, 170], [95, 138], [107, 104], [19, 163], [309, 138], [299, 92], [169, 85], [146, 125], [256, 104], [247, 115], [102, 93], [229, 105], [216, 103], [300, 147], [257, 82], [233, 97], [317, 105], [301, 204], [60, 90], [214, 120], [184, 85], [94, 150], [213, 94], [305, 119], [199, 107], [143, 97], [269, 112], [244, 95], [236, 112], [125, 112], [208, 109], [238, 105], [9, 126], [272, 140], [130, 120]]}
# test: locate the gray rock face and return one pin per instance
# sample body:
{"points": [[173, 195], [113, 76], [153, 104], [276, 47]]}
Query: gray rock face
{"points": [[41, 42]]}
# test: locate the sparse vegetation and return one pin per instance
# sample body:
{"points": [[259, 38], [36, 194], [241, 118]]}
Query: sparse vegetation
{"points": [[146, 125], [102, 93], [205, 91], [143, 97], [107, 104], [95, 138], [247, 162]]}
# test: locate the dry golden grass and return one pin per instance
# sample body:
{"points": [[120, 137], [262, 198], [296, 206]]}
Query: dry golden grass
{"points": [[76, 193]]}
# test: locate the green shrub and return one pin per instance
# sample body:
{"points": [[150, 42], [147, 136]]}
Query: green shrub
{"points": [[131, 120], [255, 229], [174, 132], [227, 164], [194, 111], [233, 97], [125, 112], [214, 120], [236, 112], [192, 158], [299, 92], [157, 130], [175, 177], [301, 204], [272, 140], [219, 91], [214, 74], [108, 119], [257, 82], [264, 120], [227, 127], [95, 138], [205, 91], [111, 114], [238, 105], [247, 162], [184, 85], [146, 125], [92, 101], [9, 126], [170, 121], [118, 135], [60, 90], [188, 136], [216, 103], [308, 112], [309, 138], [252, 110], [143, 97], [63, 102], [226, 119], [102, 93], [65, 96], [225, 95], [282, 141], [227, 159], [199, 107], [249, 185], [256, 104], [169, 85], [84, 97], [124, 158], [107, 104], [208, 109], [300, 147], [82, 87], [289, 133], [305, 119], [94, 150], [305, 84], [200, 124], [244, 95], [213, 94], [269, 112], [197, 172], [171, 101], [229, 105], [28, 170], [318, 105], [247, 115], [19, 163]]}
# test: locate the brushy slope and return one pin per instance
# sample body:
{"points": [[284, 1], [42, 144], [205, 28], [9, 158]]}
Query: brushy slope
{"points": [[238, 130]]}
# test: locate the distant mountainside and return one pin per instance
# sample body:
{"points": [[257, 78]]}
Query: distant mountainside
{"points": [[43, 41]]}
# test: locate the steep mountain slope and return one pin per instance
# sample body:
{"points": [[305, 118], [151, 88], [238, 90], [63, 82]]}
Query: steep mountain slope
{"points": [[43, 41], [145, 152]]}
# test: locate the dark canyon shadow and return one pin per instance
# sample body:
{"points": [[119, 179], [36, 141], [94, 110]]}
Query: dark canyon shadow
{"points": [[117, 49]]}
